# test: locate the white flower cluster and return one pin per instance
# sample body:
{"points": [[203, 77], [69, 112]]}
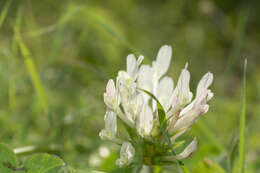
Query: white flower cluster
{"points": [[138, 110]]}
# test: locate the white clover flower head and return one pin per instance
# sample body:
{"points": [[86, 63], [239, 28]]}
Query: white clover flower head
{"points": [[149, 106]]}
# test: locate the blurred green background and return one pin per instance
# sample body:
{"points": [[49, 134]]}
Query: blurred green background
{"points": [[52, 90]]}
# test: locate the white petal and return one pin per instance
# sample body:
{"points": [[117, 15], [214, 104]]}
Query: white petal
{"points": [[183, 88], [183, 82], [109, 133], [202, 87], [188, 151], [140, 59], [110, 89], [110, 96], [130, 64], [127, 149], [186, 109], [210, 95], [144, 122], [204, 83], [127, 86], [190, 116], [111, 121], [164, 92], [127, 153], [139, 104], [145, 77], [163, 60], [145, 80]]}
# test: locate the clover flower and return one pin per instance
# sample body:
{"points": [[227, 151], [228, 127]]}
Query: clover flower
{"points": [[154, 113]]}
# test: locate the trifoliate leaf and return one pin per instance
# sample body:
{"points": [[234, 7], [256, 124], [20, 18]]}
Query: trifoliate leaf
{"points": [[41, 163], [8, 161]]}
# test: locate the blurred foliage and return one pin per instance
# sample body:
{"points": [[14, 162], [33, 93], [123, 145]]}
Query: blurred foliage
{"points": [[56, 57]]}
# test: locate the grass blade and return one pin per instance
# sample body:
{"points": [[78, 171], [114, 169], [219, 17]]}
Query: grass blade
{"points": [[59, 36], [233, 152], [110, 30], [242, 123], [4, 12], [14, 52], [51, 28], [32, 71]]}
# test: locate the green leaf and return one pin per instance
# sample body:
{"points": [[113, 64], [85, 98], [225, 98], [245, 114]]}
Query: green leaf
{"points": [[62, 169], [242, 123], [42, 163], [8, 161]]}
